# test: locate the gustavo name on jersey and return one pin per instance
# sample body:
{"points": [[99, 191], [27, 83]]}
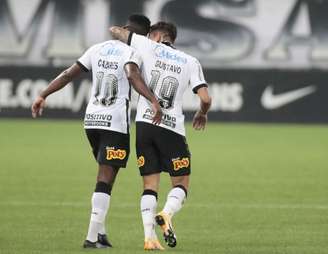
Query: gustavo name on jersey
{"points": [[168, 67]]}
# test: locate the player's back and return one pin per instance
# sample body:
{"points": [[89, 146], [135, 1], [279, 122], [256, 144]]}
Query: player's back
{"points": [[168, 72], [110, 95]]}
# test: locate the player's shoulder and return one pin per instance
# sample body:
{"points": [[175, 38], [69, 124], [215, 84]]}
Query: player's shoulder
{"points": [[109, 44], [96, 46], [113, 44], [113, 48], [190, 59]]}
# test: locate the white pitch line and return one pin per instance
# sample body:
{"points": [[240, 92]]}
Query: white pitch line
{"points": [[197, 205]]}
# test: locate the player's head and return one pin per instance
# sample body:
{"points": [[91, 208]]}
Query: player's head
{"points": [[138, 24], [163, 31]]}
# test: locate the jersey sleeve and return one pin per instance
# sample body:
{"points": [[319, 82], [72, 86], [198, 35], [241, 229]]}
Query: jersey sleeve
{"points": [[139, 42], [197, 79], [134, 57], [85, 60]]}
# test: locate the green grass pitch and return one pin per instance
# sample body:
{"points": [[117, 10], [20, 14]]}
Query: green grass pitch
{"points": [[254, 189]]}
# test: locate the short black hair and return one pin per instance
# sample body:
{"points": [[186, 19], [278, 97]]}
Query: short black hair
{"points": [[165, 27], [139, 24]]}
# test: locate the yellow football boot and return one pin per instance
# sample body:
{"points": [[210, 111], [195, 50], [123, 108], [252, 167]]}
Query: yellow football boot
{"points": [[152, 245], [164, 221]]}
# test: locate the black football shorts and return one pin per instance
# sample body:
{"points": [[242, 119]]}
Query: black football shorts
{"points": [[109, 147], [159, 149]]}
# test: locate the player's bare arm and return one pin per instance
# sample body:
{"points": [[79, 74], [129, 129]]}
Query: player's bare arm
{"points": [[120, 33], [200, 118], [134, 76], [58, 83]]}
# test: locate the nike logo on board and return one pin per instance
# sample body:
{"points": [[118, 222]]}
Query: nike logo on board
{"points": [[273, 101]]}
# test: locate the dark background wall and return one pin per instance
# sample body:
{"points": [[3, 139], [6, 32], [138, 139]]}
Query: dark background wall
{"points": [[265, 61]]}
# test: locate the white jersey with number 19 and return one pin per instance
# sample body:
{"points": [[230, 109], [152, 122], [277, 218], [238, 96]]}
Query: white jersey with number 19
{"points": [[108, 107], [168, 73]]}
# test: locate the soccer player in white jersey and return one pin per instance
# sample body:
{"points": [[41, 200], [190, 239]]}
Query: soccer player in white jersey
{"points": [[107, 117], [168, 73]]}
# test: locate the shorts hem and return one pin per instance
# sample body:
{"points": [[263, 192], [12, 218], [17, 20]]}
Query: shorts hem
{"points": [[183, 174], [113, 164], [150, 173]]}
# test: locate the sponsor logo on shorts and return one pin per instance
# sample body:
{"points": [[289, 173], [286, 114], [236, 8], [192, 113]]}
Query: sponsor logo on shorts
{"points": [[113, 154], [141, 161], [178, 164]]}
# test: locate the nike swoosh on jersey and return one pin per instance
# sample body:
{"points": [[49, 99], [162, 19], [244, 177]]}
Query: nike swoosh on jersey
{"points": [[274, 101]]}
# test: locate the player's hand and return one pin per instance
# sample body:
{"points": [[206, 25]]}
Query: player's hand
{"points": [[38, 106], [199, 121], [157, 118]]}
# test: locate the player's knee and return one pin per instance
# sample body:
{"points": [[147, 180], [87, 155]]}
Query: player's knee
{"points": [[107, 174], [103, 187], [180, 181]]}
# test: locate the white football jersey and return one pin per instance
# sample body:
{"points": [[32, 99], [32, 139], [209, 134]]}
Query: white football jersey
{"points": [[108, 107], [168, 73]]}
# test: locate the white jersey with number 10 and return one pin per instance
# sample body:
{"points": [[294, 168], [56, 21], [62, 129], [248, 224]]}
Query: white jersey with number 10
{"points": [[108, 107], [168, 73]]}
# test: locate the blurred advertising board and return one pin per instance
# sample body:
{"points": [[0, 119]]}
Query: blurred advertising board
{"points": [[238, 95]]}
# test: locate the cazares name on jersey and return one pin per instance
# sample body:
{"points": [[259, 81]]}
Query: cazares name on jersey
{"points": [[107, 64]]}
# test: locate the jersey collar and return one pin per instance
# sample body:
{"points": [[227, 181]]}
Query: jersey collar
{"points": [[168, 44]]}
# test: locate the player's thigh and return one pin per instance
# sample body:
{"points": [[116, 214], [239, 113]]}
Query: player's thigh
{"points": [[174, 153], [147, 153], [114, 149], [94, 140]]}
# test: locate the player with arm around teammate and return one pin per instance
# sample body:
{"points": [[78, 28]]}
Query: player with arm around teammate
{"points": [[114, 65], [168, 73]]}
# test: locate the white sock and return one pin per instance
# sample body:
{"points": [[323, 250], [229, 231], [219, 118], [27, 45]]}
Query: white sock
{"points": [[102, 229], [100, 204], [174, 201], [148, 204]]}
